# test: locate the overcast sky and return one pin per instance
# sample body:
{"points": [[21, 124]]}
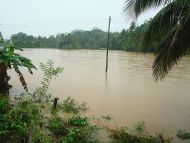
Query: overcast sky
{"points": [[49, 17]]}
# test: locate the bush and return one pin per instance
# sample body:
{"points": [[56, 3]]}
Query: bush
{"points": [[71, 106], [140, 127], [19, 120], [4, 104], [121, 136], [182, 134], [78, 121], [80, 135], [38, 136], [57, 126]]}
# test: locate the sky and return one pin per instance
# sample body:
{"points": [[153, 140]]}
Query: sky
{"points": [[50, 17]]}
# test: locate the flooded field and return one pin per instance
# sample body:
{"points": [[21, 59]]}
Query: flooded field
{"points": [[127, 92]]}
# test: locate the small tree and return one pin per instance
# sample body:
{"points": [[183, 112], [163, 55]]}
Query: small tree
{"points": [[8, 60]]}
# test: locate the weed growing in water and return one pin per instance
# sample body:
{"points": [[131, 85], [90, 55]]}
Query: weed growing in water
{"points": [[78, 121], [183, 134], [81, 135], [57, 126], [71, 106], [140, 127], [121, 136]]}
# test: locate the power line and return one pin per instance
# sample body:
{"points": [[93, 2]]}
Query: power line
{"points": [[61, 23]]}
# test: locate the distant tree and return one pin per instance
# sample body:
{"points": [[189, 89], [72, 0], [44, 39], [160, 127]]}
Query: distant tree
{"points": [[130, 39], [133, 26]]}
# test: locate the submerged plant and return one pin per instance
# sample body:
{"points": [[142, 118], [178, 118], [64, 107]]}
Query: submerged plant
{"points": [[71, 106], [50, 72], [183, 134], [140, 127], [78, 121], [81, 135], [122, 136], [38, 136], [57, 126]]}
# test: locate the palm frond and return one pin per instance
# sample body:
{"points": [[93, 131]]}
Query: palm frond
{"points": [[172, 47], [169, 29], [168, 18], [138, 6]]}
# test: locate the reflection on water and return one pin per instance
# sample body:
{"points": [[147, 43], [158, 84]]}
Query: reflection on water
{"points": [[127, 92]]}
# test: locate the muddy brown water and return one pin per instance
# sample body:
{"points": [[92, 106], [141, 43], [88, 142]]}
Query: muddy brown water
{"points": [[127, 92]]}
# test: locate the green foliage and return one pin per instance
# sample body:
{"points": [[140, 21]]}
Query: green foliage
{"points": [[50, 72], [71, 106], [24, 122], [121, 136], [140, 127], [80, 135], [19, 121], [78, 121], [183, 134], [38, 136], [8, 60], [1, 39], [131, 39], [4, 105], [169, 30], [77, 39], [57, 126], [94, 39], [128, 40]]}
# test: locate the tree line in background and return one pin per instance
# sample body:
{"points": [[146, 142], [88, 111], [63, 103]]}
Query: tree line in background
{"points": [[127, 39]]}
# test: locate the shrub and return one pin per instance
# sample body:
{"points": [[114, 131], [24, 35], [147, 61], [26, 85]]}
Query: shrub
{"points": [[121, 136], [182, 134], [4, 104], [18, 122], [140, 127], [80, 135], [71, 106], [57, 126], [78, 121], [38, 136]]}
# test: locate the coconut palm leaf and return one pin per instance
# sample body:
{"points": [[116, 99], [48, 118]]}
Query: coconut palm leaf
{"points": [[169, 29], [138, 6], [169, 17], [173, 46]]}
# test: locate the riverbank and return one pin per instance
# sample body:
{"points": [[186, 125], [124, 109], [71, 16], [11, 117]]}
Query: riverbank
{"points": [[27, 121]]}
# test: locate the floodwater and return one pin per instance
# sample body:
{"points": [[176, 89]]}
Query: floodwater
{"points": [[127, 92]]}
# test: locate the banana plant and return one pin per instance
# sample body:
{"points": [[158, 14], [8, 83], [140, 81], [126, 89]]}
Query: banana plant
{"points": [[9, 59]]}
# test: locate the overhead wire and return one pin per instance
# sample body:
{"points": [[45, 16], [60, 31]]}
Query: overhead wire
{"points": [[59, 23]]}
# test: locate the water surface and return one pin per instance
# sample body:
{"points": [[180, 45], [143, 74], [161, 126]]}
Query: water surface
{"points": [[128, 91]]}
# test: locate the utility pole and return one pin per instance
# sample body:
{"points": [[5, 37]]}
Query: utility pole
{"points": [[108, 43]]}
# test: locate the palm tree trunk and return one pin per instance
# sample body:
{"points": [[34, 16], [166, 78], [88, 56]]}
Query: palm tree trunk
{"points": [[4, 87]]}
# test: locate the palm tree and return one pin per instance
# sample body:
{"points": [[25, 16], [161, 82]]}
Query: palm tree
{"points": [[8, 60], [169, 29]]}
